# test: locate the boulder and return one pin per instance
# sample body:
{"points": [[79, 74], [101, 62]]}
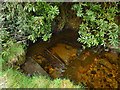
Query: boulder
{"points": [[32, 67]]}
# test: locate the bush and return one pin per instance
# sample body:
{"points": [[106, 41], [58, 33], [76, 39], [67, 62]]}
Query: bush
{"points": [[22, 21], [98, 24]]}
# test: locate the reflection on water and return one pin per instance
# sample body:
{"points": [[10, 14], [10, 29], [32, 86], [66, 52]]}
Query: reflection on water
{"points": [[63, 56]]}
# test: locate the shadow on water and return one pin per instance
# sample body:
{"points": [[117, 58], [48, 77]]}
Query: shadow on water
{"points": [[63, 57]]}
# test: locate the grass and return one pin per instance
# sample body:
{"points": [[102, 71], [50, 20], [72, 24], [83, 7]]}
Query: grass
{"points": [[15, 79]]}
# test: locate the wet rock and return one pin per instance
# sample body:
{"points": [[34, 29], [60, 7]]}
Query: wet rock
{"points": [[93, 72], [53, 72], [106, 63], [32, 67], [54, 60], [39, 59], [56, 74], [65, 52], [111, 55], [110, 75]]}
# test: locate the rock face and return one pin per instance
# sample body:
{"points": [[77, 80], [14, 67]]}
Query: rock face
{"points": [[32, 67]]}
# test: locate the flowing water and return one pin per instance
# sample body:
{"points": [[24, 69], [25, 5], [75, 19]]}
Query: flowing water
{"points": [[63, 57]]}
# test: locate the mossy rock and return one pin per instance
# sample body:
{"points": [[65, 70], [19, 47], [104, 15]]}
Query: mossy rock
{"points": [[15, 55]]}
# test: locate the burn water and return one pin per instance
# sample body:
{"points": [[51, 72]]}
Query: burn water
{"points": [[63, 57]]}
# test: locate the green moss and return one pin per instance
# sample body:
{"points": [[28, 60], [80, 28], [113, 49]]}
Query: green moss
{"points": [[16, 79]]}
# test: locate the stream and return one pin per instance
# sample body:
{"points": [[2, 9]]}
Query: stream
{"points": [[63, 57]]}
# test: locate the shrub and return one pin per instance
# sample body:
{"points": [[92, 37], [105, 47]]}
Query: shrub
{"points": [[98, 24], [23, 21]]}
